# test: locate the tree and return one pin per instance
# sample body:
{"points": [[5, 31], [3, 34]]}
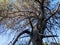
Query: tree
{"points": [[46, 19]]}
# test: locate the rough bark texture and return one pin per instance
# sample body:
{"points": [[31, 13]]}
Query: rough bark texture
{"points": [[37, 42], [36, 39]]}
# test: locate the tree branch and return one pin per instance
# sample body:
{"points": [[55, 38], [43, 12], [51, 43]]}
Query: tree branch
{"points": [[45, 36], [29, 42], [53, 13], [26, 31]]}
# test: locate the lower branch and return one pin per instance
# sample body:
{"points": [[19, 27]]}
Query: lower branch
{"points": [[29, 42], [26, 31], [46, 36]]}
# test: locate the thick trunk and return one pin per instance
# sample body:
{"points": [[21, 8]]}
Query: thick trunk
{"points": [[36, 39], [37, 42]]}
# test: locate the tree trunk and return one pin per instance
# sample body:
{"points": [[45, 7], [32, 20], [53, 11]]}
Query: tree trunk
{"points": [[36, 39], [37, 42]]}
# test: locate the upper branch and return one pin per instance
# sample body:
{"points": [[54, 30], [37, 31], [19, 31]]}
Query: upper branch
{"points": [[53, 13]]}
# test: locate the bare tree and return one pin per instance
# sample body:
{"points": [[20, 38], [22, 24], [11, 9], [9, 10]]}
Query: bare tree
{"points": [[37, 10]]}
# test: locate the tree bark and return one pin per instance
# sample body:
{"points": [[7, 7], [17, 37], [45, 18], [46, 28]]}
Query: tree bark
{"points": [[36, 39], [37, 42]]}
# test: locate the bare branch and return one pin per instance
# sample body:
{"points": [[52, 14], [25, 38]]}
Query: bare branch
{"points": [[31, 24], [29, 42], [45, 36], [52, 34], [20, 11], [24, 36], [47, 8], [53, 13], [26, 31]]}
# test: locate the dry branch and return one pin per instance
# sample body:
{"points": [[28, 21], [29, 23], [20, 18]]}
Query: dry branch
{"points": [[26, 31]]}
